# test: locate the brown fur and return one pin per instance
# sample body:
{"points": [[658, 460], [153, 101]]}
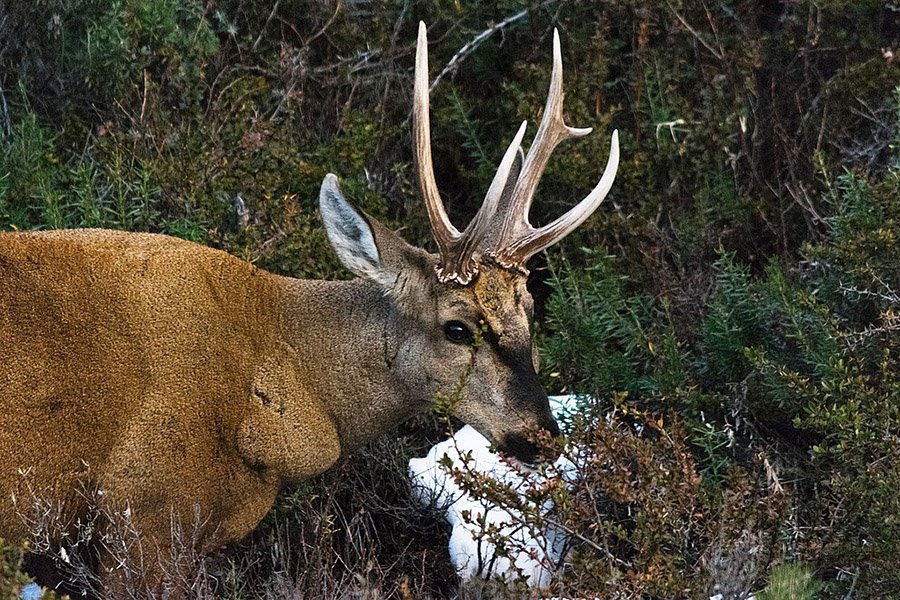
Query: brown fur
{"points": [[172, 376]]}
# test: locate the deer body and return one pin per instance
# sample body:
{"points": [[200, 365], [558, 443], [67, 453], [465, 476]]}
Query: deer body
{"points": [[182, 383], [157, 369], [175, 377]]}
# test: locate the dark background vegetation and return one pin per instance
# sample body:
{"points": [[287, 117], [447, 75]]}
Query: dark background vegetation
{"points": [[734, 305]]}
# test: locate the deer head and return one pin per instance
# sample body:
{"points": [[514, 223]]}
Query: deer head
{"points": [[461, 319]]}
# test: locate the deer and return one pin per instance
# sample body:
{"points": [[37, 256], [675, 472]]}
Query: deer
{"points": [[171, 376]]}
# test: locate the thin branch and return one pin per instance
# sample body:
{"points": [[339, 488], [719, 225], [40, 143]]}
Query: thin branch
{"points": [[358, 62], [265, 25], [324, 28], [605, 551], [479, 39], [5, 123], [694, 32], [712, 26], [887, 295], [849, 594]]}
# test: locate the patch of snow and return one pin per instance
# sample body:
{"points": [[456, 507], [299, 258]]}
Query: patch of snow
{"points": [[533, 555]]}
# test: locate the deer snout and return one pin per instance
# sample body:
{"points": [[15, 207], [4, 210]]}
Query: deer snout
{"points": [[519, 445], [552, 426]]}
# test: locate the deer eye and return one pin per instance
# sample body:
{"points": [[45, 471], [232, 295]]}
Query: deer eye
{"points": [[457, 333]]}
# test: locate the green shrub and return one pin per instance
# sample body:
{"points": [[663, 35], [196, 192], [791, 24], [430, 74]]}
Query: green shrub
{"points": [[12, 580], [791, 581], [797, 362]]}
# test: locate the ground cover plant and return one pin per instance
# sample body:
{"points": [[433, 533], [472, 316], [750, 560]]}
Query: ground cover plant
{"points": [[733, 309]]}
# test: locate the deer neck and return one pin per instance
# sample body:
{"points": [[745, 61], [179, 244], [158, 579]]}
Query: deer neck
{"points": [[347, 335]]}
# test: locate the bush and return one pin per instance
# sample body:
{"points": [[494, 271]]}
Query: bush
{"points": [[12, 580], [791, 582], [796, 364]]}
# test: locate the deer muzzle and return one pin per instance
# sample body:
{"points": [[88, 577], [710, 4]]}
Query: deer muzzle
{"points": [[521, 445]]}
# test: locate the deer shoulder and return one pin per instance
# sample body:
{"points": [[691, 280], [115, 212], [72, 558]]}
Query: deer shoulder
{"points": [[285, 428]]}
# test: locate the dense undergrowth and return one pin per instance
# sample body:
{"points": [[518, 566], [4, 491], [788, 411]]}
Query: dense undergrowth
{"points": [[733, 307]]}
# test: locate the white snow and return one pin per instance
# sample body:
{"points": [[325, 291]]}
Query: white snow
{"points": [[533, 555]]}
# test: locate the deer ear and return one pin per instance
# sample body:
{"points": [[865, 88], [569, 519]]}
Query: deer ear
{"points": [[348, 231], [364, 246]]}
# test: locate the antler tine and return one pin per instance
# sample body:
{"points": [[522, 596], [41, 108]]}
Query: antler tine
{"points": [[551, 132], [475, 232], [518, 240], [441, 228], [457, 249], [535, 240]]}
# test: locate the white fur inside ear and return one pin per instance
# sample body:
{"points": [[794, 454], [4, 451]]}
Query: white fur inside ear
{"points": [[348, 232]]}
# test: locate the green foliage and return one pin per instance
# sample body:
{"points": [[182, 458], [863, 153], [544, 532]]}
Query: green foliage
{"points": [[114, 46], [12, 580], [794, 361], [791, 581], [469, 129], [604, 338]]}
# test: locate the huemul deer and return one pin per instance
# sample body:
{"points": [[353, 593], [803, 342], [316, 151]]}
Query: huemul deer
{"points": [[176, 378]]}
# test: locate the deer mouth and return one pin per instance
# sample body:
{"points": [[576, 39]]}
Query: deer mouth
{"points": [[518, 446]]}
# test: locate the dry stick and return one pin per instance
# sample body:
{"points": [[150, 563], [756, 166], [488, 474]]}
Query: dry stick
{"points": [[265, 25], [712, 26], [5, 123], [479, 39], [695, 33], [324, 28], [849, 593]]}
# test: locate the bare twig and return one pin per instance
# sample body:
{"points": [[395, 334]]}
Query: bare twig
{"points": [[694, 32], [801, 197], [712, 26], [398, 24], [887, 294], [849, 594], [144, 99], [358, 62], [673, 126], [265, 25], [855, 338], [324, 28], [479, 39], [772, 474], [5, 123]]}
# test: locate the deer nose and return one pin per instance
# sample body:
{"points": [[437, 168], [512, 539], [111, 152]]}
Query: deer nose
{"points": [[519, 446], [552, 426]]}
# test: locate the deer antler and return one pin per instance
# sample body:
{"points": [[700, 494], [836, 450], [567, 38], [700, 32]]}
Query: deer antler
{"points": [[518, 240], [457, 250]]}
